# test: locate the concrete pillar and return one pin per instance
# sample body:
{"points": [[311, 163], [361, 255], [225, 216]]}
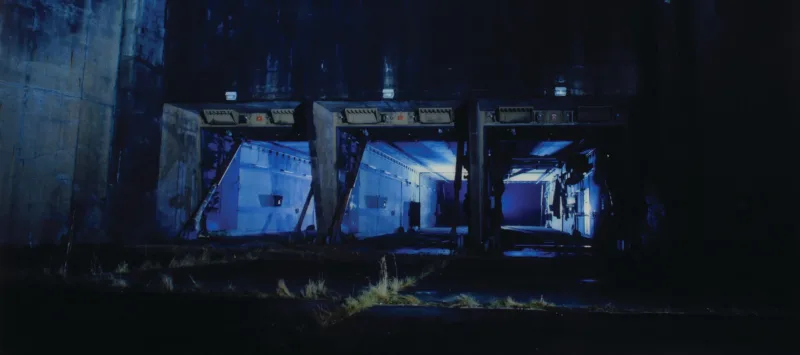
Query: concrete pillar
{"points": [[322, 139], [180, 182], [477, 175]]}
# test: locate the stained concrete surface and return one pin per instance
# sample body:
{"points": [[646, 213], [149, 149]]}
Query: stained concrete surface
{"points": [[355, 50], [57, 92]]}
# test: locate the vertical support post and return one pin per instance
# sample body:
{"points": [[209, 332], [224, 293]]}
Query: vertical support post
{"points": [[457, 185], [542, 205], [477, 175], [299, 224]]}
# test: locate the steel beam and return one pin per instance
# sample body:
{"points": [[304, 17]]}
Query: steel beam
{"points": [[477, 176]]}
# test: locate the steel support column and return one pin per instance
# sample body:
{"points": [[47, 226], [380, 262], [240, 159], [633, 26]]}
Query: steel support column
{"points": [[457, 185], [477, 176]]}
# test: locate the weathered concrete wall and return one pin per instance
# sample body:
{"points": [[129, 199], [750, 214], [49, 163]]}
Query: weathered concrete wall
{"points": [[135, 148], [180, 179], [58, 76], [420, 49]]}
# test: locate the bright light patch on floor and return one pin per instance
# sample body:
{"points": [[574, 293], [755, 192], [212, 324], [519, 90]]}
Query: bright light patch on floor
{"points": [[529, 253], [423, 251]]}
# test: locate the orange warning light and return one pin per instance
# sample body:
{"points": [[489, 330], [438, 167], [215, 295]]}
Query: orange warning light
{"points": [[259, 118], [400, 117]]}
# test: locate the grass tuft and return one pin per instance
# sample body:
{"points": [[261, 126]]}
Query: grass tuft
{"points": [[150, 265], [314, 290], [95, 268], [385, 291], [166, 282], [405, 300], [119, 283], [283, 291], [195, 284], [506, 303], [122, 268], [607, 308], [398, 284], [539, 304], [187, 261], [465, 301]]}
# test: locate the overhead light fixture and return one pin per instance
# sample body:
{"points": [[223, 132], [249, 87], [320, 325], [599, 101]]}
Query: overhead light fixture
{"points": [[560, 91], [388, 94], [231, 95]]}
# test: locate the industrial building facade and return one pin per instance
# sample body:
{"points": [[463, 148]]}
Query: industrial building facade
{"points": [[370, 169]]}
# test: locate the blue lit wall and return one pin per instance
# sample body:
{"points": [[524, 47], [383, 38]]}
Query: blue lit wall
{"points": [[429, 200], [522, 204], [385, 177], [259, 172]]}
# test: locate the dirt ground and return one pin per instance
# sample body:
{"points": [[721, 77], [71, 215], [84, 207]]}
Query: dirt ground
{"points": [[47, 320], [196, 299]]}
